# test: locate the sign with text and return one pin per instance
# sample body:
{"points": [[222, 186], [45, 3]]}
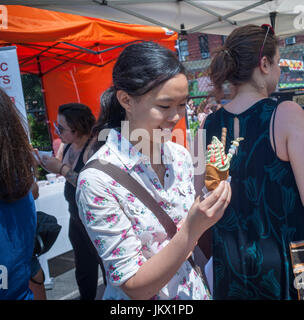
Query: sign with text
{"points": [[10, 79]]}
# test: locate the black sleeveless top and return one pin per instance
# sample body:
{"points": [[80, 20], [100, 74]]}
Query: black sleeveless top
{"points": [[251, 257], [69, 189]]}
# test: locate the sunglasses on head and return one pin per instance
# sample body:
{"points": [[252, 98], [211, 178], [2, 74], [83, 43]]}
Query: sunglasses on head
{"points": [[269, 29], [59, 129]]}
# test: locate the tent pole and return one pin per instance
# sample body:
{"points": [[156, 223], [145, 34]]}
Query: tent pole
{"points": [[138, 1], [44, 99], [211, 12], [272, 16], [225, 17], [137, 15]]}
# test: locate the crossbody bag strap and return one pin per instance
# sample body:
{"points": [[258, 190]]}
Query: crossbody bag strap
{"points": [[124, 179]]}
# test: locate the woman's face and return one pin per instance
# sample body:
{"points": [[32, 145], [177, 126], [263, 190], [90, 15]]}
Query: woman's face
{"points": [[275, 72], [67, 135], [161, 108]]}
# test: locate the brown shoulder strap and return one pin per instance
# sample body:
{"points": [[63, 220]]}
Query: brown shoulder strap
{"points": [[124, 179]]}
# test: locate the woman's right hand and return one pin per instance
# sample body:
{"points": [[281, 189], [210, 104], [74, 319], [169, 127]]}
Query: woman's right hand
{"points": [[161, 267], [204, 214], [51, 164]]}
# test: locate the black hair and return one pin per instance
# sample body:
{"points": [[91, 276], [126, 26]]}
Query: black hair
{"points": [[140, 68], [78, 116]]}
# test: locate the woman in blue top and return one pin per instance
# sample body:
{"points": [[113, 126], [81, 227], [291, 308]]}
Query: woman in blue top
{"points": [[17, 209], [251, 257]]}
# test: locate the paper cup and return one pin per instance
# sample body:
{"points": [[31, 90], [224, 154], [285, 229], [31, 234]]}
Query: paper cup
{"points": [[51, 177], [42, 183], [61, 179]]}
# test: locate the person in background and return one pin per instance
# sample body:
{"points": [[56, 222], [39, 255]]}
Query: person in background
{"points": [[204, 109], [17, 208], [74, 125], [251, 243], [149, 92]]}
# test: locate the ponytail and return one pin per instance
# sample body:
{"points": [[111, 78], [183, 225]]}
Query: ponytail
{"points": [[112, 113], [240, 55], [223, 67], [116, 113]]}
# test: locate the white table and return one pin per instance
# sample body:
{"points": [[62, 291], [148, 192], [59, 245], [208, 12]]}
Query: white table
{"points": [[51, 201]]}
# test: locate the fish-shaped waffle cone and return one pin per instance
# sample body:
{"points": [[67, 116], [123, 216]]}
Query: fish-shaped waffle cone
{"points": [[218, 163], [214, 176]]}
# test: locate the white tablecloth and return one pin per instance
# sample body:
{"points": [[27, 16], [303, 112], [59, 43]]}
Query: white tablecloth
{"points": [[51, 201]]}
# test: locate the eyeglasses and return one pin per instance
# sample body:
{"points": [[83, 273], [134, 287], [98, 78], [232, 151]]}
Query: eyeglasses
{"points": [[58, 128], [270, 30]]}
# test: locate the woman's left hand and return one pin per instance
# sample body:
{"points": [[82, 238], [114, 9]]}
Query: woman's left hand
{"points": [[51, 164]]}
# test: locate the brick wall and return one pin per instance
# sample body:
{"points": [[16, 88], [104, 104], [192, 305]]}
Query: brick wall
{"points": [[193, 46], [300, 38], [215, 41]]}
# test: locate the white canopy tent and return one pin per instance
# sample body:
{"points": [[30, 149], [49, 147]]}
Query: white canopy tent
{"points": [[213, 17]]}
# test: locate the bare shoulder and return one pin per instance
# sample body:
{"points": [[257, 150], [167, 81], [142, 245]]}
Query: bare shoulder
{"points": [[290, 116], [294, 123], [291, 122], [289, 127], [290, 109]]}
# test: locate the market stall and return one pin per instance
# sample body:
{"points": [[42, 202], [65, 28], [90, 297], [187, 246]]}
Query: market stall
{"points": [[73, 55], [291, 84]]}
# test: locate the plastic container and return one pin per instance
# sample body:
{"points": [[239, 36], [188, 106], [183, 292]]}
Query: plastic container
{"points": [[51, 177], [42, 183], [61, 179]]}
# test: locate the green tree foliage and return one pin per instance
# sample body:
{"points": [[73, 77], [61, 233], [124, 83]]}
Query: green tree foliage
{"points": [[36, 115]]}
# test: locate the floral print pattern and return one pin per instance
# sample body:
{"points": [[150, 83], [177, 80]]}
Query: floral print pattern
{"points": [[83, 183], [99, 200], [90, 217], [111, 220], [118, 252], [99, 243], [125, 232]]}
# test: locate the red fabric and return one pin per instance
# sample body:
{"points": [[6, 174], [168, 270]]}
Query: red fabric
{"points": [[34, 31]]}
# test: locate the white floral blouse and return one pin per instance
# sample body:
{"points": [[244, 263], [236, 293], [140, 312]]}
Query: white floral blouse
{"points": [[122, 229]]}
